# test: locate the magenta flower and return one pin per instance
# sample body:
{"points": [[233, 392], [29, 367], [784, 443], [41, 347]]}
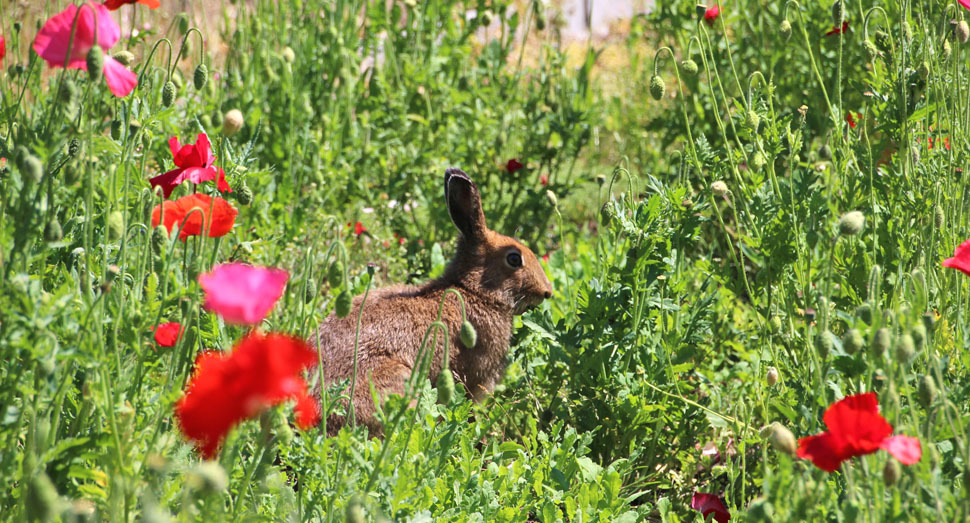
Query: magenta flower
{"points": [[54, 39], [193, 163], [708, 504], [242, 294], [960, 259]]}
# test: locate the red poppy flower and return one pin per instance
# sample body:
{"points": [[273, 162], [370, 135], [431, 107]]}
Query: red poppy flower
{"points": [[851, 120], [193, 163], [839, 30], [513, 165], [167, 334], [961, 258], [855, 429], [54, 39], [115, 4], [215, 212], [358, 228], [544, 179], [261, 371], [711, 14], [710, 504], [242, 294], [545, 258], [3, 48]]}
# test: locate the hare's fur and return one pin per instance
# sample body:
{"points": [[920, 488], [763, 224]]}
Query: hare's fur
{"points": [[396, 318]]}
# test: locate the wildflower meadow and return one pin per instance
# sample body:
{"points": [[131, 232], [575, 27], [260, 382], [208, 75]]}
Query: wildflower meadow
{"points": [[754, 218]]}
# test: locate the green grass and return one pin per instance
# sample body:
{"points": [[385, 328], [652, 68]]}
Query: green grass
{"points": [[693, 248]]}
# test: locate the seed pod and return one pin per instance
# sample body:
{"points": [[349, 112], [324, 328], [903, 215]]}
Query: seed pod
{"points": [[918, 332], [168, 94], [445, 386], [124, 57], [962, 31], [657, 87], [785, 30], [117, 126], [232, 123], [311, 290], [852, 341], [719, 188], [244, 195], [67, 93], [864, 313], [33, 169], [926, 391], [824, 341], [159, 239], [907, 32], [782, 439], [852, 223], [891, 472], [342, 307], [335, 273], [690, 67], [905, 348], [938, 216], [200, 76], [775, 324], [95, 63], [468, 335], [52, 231], [752, 120], [772, 377], [116, 225]]}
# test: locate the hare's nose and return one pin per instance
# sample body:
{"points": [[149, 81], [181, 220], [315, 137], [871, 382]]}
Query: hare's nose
{"points": [[547, 295]]}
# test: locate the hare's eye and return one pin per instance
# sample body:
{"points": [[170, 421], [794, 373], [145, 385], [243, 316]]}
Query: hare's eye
{"points": [[514, 259]]}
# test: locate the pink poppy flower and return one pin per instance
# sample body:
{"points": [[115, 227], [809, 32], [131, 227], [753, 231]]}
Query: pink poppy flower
{"points": [[54, 38], [167, 334], [708, 504], [3, 48], [961, 258], [965, 3], [242, 294], [711, 14], [193, 163]]}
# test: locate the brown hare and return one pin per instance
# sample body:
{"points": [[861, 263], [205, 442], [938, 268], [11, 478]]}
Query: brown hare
{"points": [[498, 278]]}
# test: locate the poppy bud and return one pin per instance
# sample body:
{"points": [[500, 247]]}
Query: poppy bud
{"points": [[824, 343], [926, 391], [208, 477], [551, 196], [183, 21], [918, 332], [905, 348], [907, 32], [288, 54], [445, 386], [758, 161], [657, 87], [689, 66], [719, 188], [52, 231], [752, 120], [947, 50], [159, 239], [335, 274], [32, 168], [700, 9], [206, 121], [606, 213], [871, 50], [851, 223], [938, 216], [838, 13], [311, 290], [41, 500], [342, 307], [864, 313], [962, 31], [354, 513], [244, 195], [200, 76], [67, 93], [95, 63], [73, 147], [125, 58], [232, 123], [924, 70], [784, 29], [468, 335], [775, 324], [772, 377], [891, 472], [782, 439], [852, 341], [115, 225], [168, 94], [881, 340], [116, 128]]}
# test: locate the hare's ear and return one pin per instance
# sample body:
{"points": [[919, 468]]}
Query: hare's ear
{"points": [[464, 204]]}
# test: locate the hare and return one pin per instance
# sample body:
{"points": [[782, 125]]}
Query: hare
{"points": [[498, 278]]}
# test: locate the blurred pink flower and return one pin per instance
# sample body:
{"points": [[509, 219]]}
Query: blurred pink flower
{"points": [[710, 504], [54, 39], [242, 294]]}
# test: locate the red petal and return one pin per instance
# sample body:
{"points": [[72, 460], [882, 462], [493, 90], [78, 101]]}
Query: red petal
{"points": [[856, 422], [904, 448], [167, 334], [960, 259], [823, 449], [710, 504], [120, 80]]}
